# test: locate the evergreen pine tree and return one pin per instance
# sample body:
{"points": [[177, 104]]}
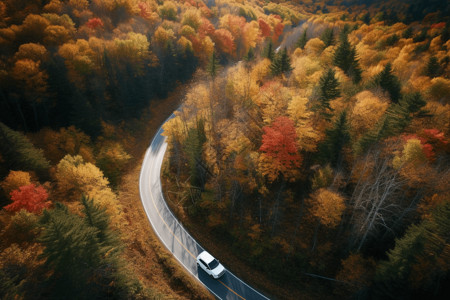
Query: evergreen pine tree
{"points": [[421, 249], [336, 139], [433, 69], [389, 82], [366, 18], [71, 251], [328, 90], [82, 254], [371, 137], [96, 217], [19, 153], [328, 37], [250, 56], [407, 33], [194, 148], [281, 63], [396, 119], [413, 104], [213, 65], [301, 43], [269, 52], [345, 58]]}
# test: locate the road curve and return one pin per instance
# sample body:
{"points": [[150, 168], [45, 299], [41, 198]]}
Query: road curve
{"points": [[173, 235]]}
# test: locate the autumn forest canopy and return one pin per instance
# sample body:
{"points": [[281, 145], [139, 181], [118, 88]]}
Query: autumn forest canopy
{"points": [[313, 137]]}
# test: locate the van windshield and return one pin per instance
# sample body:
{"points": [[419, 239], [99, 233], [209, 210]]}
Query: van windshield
{"points": [[213, 264]]}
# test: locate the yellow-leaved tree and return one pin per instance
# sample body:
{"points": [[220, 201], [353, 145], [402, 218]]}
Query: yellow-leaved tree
{"points": [[14, 180], [307, 135], [76, 178], [328, 207], [367, 111]]}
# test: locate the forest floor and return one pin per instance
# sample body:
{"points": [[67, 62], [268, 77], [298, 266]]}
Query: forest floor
{"points": [[147, 257]]}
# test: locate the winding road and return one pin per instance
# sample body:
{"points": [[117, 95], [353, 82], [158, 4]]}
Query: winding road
{"points": [[174, 236]]}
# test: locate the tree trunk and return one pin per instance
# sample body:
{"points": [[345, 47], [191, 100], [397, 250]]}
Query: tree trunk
{"points": [[316, 232]]}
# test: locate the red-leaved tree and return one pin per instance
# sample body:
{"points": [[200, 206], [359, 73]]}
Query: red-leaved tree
{"points": [[29, 197], [277, 31], [94, 23], [264, 27], [279, 142]]}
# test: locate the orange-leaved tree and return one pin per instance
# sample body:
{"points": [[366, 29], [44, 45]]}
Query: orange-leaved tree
{"points": [[29, 197]]}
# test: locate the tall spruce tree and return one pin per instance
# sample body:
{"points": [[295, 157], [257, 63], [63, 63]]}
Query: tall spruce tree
{"points": [[19, 153], [389, 82], [396, 119], [269, 52], [96, 217], [194, 148], [281, 63], [82, 254], [328, 37], [71, 251], [301, 43], [330, 150], [328, 90], [366, 18], [345, 58], [213, 65], [250, 56], [433, 69], [421, 253]]}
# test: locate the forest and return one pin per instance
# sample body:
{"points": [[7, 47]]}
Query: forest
{"points": [[313, 136]]}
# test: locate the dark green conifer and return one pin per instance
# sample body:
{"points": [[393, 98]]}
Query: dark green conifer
{"points": [[18, 153], [330, 150], [328, 37], [328, 90], [250, 56], [194, 148], [269, 52], [396, 119], [366, 18], [345, 58], [389, 82], [433, 69], [213, 65], [407, 33], [72, 252], [302, 40], [421, 249], [82, 253], [281, 63]]}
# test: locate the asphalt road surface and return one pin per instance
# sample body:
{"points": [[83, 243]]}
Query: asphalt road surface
{"points": [[174, 236]]}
